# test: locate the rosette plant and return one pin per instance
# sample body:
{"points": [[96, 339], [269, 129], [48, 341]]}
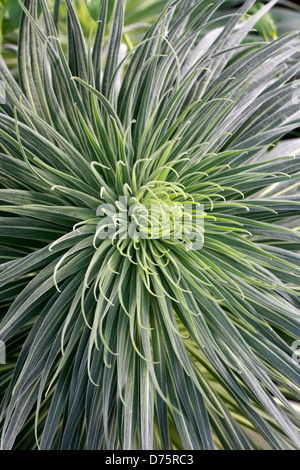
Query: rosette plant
{"points": [[119, 342]]}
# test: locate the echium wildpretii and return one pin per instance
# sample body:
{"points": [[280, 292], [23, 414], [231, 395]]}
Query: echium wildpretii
{"points": [[149, 235]]}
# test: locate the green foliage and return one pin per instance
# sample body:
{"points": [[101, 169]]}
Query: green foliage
{"points": [[266, 27], [94, 7], [10, 16], [146, 343]]}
